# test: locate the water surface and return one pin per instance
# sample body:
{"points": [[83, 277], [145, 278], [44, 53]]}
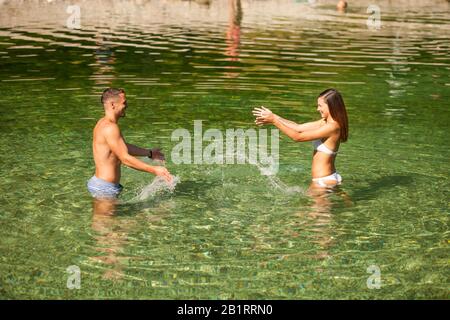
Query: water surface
{"points": [[226, 231]]}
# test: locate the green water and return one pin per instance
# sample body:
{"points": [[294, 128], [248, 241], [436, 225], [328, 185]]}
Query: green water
{"points": [[227, 232]]}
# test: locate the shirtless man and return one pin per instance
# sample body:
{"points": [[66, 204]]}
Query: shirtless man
{"points": [[342, 5], [110, 150]]}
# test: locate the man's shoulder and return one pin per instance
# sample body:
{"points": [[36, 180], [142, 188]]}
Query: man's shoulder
{"points": [[107, 127], [105, 124]]}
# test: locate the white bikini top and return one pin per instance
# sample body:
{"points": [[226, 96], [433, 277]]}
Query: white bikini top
{"points": [[320, 146]]}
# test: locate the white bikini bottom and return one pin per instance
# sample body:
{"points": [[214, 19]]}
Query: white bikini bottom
{"points": [[332, 177]]}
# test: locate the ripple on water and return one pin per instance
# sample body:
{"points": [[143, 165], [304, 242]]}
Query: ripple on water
{"points": [[227, 231]]}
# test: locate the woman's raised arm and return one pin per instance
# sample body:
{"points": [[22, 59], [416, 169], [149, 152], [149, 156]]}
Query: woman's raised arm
{"points": [[319, 133], [265, 116], [300, 127]]}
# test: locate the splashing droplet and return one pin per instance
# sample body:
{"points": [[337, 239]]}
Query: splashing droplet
{"points": [[158, 185]]}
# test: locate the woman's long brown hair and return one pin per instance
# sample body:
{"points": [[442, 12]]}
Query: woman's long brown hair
{"points": [[337, 109]]}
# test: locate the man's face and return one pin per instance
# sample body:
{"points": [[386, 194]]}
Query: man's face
{"points": [[120, 105]]}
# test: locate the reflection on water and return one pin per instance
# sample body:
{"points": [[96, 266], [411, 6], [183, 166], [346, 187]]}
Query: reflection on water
{"points": [[226, 231], [111, 235], [234, 29], [233, 35], [112, 222], [104, 73], [317, 220]]}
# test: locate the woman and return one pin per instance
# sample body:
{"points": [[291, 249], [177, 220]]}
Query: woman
{"points": [[326, 135]]}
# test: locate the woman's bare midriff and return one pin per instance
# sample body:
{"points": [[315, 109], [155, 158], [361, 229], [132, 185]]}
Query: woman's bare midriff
{"points": [[322, 165]]}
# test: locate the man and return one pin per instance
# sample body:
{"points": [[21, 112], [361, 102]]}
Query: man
{"points": [[342, 5], [110, 150]]}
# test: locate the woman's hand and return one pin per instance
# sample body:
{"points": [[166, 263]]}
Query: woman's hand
{"points": [[263, 116]]}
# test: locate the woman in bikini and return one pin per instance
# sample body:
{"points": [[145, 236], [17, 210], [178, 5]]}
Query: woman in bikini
{"points": [[326, 135]]}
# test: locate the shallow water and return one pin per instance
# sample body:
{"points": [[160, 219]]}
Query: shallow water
{"points": [[226, 231]]}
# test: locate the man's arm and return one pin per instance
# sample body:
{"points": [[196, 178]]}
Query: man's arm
{"points": [[118, 146], [154, 153], [137, 151]]}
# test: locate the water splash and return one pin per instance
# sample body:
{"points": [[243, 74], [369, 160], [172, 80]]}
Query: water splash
{"points": [[280, 185], [270, 171], [157, 186]]}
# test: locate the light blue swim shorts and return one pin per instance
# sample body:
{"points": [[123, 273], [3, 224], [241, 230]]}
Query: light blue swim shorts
{"points": [[100, 188]]}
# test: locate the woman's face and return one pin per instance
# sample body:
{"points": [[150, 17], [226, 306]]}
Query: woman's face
{"points": [[322, 107]]}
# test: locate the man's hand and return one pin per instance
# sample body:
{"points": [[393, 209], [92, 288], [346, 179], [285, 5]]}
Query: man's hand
{"points": [[263, 116], [163, 172], [157, 154]]}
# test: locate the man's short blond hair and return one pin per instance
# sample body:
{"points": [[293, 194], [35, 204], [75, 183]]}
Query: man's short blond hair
{"points": [[111, 93]]}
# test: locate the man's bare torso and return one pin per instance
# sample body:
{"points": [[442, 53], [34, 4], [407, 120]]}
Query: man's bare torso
{"points": [[107, 164]]}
